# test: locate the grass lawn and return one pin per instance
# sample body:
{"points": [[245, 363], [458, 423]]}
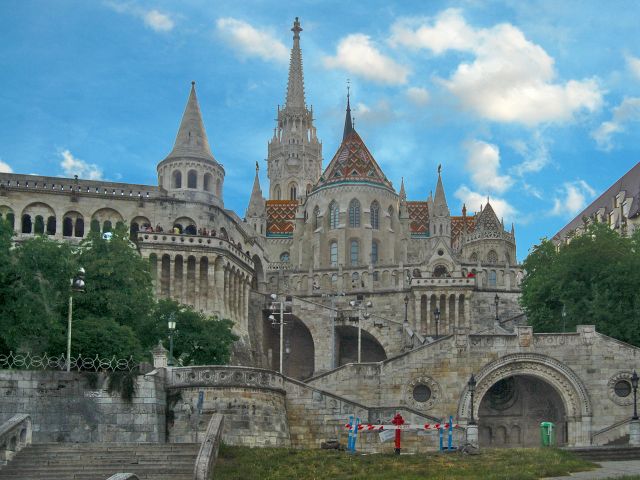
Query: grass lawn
{"points": [[243, 463]]}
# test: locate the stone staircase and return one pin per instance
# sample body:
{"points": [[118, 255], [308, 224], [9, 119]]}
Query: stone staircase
{"points": [[606, 453], [98, 461]]}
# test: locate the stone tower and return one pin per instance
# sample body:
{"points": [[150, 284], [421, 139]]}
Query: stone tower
{"points": [[190, 172], [295, 154], [256, 214], [439, 215]]}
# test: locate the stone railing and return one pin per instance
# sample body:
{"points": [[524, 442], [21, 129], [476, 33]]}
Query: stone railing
{"points": [[206, 460], [223, 376], [15, 434], [279, 266], [149, 238], [446, 282], [611, 433], [123, 476]]}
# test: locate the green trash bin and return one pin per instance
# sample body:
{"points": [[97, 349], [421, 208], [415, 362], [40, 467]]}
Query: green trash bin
{"points": [[547, 434]]}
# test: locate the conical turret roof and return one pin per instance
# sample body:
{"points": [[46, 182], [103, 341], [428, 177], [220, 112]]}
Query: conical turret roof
{"points": [[257, 204], [440, 201], [191, 140]]}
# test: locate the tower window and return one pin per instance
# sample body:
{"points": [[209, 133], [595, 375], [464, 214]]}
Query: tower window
{"points": [[375, 215], [355, 252], [276, 192], [177, 179], [293, 192], [192, 179], [354, 213], [316, 217], [333, 253], [334, 215], [374, 252]]}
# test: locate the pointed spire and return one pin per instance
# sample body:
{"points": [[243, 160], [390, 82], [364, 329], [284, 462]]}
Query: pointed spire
{"points": [[440, 201], [191, 140], [295, 85], [403, 194], [348, 125], [256, 202]]}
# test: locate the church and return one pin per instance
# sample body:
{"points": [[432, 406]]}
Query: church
{"points": [[338, 280]]}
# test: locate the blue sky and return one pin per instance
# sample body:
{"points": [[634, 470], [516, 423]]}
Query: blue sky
{"points": [[535, 104]]}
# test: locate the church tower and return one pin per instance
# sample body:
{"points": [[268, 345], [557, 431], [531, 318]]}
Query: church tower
{"points": [[295, 153]]}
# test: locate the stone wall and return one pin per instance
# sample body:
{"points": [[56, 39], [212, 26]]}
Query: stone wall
{"points": [[68, 407]]}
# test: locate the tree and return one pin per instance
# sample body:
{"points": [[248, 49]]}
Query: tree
{"points": [[592, 280], [199, 340]]}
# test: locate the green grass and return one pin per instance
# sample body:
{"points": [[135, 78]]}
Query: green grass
{"points": [[243, 463]]}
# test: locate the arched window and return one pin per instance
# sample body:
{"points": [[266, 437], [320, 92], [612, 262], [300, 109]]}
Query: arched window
{"points": [[284, 257], [38, 226], [492, 257], [26, 223], [79, 228], [51, 225], [316, 217], [354, 213], [134, 228], [177, 179], [355, 252], [308, 188], [219, 188], [440, 271], [207, 182], [192, 179], [11, 219], [67, 227], [107, 226], [95, 225], [492, 278], [276, 192], [333, 253], [334, 215], [390, 213], [375, 215], [374, 252], [191, 229], [293, 191]]}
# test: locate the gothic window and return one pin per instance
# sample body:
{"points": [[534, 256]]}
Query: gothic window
{"points": [[333, 253], [107, 226], [355, 252], [293, 192], [492, 257], [177, 179], [334, 215], [374, 252], [284, 257], [440, 271], [316, 217], [375, 215], [276, 192], [492, 278], [354, 213], [192, 179]]}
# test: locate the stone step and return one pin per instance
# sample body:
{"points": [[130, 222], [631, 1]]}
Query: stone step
{"points": [[607, 453]]}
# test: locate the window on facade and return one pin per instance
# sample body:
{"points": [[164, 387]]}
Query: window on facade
{"points": [[79, 228], [38, 226], [374, 252], [375, 216], [492, 278], [276, 192], [354, 213], [67, 227], [177, 179], [355, 252], [284, 257], [192, 179], [51, 226], [316, 217], [390, 212], [207, 182], [492, 256], [333, 254], [440, 271], [26, 223], [474, 257], [293, 192], [334, 215]]}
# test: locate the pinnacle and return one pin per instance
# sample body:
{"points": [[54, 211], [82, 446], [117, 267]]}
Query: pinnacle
{"points": [[295, 85]]}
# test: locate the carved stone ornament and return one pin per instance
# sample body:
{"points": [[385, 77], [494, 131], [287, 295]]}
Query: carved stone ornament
{"points": [[434, 390], [622, 401]]}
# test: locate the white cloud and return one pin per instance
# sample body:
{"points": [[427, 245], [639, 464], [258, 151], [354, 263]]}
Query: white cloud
{"points": [[378, 113], [483, 163], [154, 19], [251, 41], [535, 153], [5, 167], [358, 55], [627, 111], [418, 95], [572, 198], [74, 166], [634, 65], [158, 21], [510, 79], [473, 201]]}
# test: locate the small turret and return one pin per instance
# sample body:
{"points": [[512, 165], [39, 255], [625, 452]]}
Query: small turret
{"points": [[439, 215], [256, 214]]}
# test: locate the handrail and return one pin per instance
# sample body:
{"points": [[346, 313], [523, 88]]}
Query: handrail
{"points": [[123, 476], [206, 460], [609, 428], [15, 434]]}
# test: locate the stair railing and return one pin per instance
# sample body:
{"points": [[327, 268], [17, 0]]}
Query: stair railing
{"points": [[15, 434], [206, 460]]}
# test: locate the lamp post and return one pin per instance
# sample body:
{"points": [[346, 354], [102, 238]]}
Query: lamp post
{"points": [[362, 313], [77, 285], [171, 324], [496, 300], [634, 385], [436, 315], [472, 389], [406, 306], [281, 323]]}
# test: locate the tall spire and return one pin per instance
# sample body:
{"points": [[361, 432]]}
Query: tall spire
{"points": [[295, 85], [403, 194], [440, 201], [256, 207], [191, 140], [348, 125]]}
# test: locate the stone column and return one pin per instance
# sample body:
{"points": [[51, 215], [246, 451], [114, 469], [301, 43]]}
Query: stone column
{"points": [[634, 432], [196, 286], [472, 435], [219, 288], [171, 274], [225, 295], [247, 290], [427, 317], [417, 303], [211, 287], [456, 320]]}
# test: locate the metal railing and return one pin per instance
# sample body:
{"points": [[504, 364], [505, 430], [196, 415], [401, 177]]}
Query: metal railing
{"points": [[27, 361]]}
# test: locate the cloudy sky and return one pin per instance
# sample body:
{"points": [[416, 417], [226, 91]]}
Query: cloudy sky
{"points": [[535, 104]]}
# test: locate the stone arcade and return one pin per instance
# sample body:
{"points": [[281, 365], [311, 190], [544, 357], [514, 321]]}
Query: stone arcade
{"points": [[443, 292]]}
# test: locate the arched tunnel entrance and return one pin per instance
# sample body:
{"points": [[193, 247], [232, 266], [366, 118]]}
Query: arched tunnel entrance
{"points": [[510, 412], [299, 351], [347, 346]]}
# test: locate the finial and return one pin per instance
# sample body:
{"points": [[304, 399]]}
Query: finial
{"points": [[296, 28], [464, 209], [487, 199], [353, 121], [193, 83], [257, 167], [439, 168], [348, 87]]}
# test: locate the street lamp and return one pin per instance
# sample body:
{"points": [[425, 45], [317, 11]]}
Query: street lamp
{"points": [[634, 384], [172, 328], [496, 300], [436, 315], [274, 297], [472, 389], [77, 285], [362, 313], [406, 305]]}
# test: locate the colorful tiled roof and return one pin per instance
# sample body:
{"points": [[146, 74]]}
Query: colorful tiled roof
{"points": [[419, 217], [281, 216], [458, 224], [353, 163]]}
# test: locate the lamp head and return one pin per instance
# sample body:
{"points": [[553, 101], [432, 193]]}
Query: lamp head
{"points": [[472, 383], [406, 299], [369, 304], [496, 299], [272, 318], [172, 325], [634, 380], [352, 303], [273, 296]]}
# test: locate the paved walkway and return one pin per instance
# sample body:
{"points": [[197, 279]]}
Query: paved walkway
{"points": [[617, 469]]}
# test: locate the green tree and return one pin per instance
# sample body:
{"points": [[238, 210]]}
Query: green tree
{"points": [[592, 280], [198, 340]]}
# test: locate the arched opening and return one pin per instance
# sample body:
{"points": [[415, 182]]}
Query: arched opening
{"points": [[191, 229], [153, 267], [192, 179], [511, 410], [299, 351], [176, 179], [38, 226], [440, 271], [165, 276], [334, 215], [207, 183], [347, 346], [224, 234], [51, 225], [276, 192], [67, 227], [258, 273], [293, 191], [375, 215], [78, 230], [219, 188], [134, 228]]}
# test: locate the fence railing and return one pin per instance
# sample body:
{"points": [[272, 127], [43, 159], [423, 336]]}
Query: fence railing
{"points": [[15, 434], [79, 363]]}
